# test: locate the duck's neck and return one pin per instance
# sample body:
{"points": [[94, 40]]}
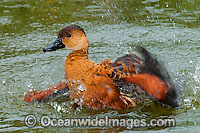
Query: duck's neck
{"points": [[78, 54]]}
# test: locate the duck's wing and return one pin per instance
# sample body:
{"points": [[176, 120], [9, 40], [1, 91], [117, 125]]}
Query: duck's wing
{"points": [[145, 71], [46, 95]]}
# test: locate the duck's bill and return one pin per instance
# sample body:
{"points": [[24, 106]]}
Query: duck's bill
{"points": [[55, 45]]}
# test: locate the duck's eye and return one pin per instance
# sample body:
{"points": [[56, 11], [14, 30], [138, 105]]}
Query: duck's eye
{"points": [[68, 35]]}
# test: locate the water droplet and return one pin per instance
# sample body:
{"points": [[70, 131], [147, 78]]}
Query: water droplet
{"points": [[55, 91], [59, 108], [29, 85], [81, 87]]}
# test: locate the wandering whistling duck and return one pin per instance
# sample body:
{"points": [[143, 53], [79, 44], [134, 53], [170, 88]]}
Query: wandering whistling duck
{"points": [[101, 85]]}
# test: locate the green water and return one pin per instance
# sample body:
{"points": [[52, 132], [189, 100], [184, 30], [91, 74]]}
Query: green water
{"points": [[170, 29]]}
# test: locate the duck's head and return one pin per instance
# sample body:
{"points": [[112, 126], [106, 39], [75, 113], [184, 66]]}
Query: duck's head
{"points": [[71, 37]]}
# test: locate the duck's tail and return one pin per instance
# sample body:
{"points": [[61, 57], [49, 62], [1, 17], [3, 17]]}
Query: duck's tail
{"points": [[153, 67], [47, 94], [151, 76]]}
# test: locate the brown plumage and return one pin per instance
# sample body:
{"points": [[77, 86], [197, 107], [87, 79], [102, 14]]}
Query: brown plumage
{"points": [[98, 85]]}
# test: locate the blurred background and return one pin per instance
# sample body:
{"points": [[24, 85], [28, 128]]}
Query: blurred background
{"points": [[170, 29]]}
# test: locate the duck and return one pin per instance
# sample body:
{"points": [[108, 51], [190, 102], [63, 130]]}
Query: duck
{"points": [[108, 84]]}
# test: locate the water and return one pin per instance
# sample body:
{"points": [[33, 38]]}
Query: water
{"points": [[169, 29]]}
